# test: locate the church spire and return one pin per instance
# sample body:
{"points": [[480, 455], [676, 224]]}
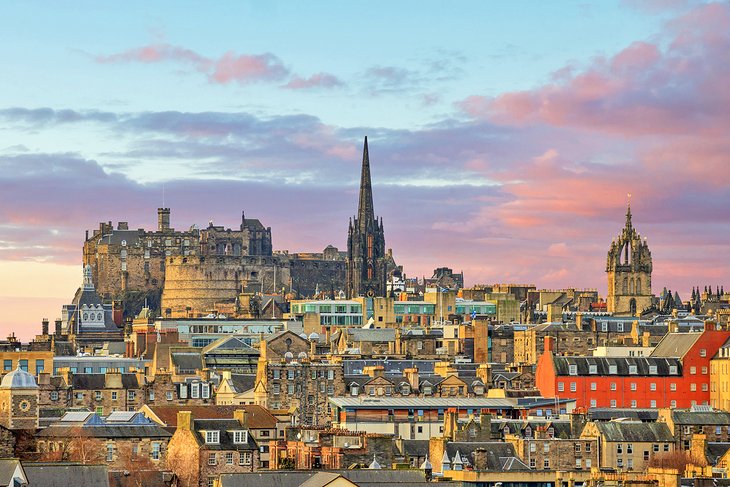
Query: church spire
{"points": [[365, 210], [629, 226]]}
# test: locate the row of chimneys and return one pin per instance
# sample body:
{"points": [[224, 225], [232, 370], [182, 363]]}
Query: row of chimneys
{"points": [[44, 327]]}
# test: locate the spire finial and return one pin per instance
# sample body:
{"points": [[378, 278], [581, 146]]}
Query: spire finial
{"points": [[628, 212], [365, 211]]}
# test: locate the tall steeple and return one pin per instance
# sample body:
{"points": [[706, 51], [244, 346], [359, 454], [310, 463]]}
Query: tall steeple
{"points": [[629, 226], [366, 253], [365, 210]]}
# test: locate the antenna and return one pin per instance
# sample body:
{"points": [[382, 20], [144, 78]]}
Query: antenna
{"points": [[163, 195]]}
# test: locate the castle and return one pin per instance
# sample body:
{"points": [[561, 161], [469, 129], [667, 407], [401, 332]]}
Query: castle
{"points": [[188, 273]]}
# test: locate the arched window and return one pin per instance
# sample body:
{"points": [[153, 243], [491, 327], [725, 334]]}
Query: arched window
{"points": [[625, 286], [638, 286], [631, 286]]}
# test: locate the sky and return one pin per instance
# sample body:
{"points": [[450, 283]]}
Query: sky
{"points": [[504, 137]]}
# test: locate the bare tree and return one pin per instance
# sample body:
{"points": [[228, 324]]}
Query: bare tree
{"points": [[138, 469], [183, 461], [678, 459]]}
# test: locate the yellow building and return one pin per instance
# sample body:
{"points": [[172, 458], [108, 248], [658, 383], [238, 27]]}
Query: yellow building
{"points": [[720, 379], [33, 362]]}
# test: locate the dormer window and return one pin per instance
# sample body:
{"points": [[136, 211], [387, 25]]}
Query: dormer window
{"points": [[652, 370], [673, 369], [240, 437], [212, 437], [573, 369], [632, 369], [612, 369], [593, 369]]}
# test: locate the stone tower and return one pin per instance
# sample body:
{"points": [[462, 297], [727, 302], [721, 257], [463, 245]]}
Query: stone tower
{"points": [[19, 401], [366, 253], [629, 272]]}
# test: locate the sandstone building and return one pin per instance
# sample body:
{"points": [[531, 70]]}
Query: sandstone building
{"points": [[629, 269]]}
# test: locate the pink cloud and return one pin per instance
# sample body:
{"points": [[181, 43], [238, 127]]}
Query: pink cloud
{"points": [[319, 80], [241, 68]]}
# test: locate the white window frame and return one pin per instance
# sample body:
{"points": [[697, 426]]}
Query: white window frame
{"points": [[212, 437]]}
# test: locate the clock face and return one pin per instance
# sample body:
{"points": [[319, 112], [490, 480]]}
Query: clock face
{"points": [[24, 405], [371, 293]]}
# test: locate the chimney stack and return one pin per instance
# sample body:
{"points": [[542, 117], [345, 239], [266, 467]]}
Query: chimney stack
{"points": [[44, 327], [242, 416], [549, 344], [58, 327], [185, 420]]}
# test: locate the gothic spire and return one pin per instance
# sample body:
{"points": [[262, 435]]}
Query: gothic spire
{"points": [[629, 225], [365, 210]]}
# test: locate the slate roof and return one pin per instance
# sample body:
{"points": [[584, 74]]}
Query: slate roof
{"points": [[496, 453], [228, 345], [684, 417], [85, 382], [414, 448], [187, 360], [715, 451], [7, 469], [607, 414], [361, 477], [65, 474], [562, 365], [634, 431], [372, 335], [243, 382], [354, 367], [675, 344], [257, 416], [94, 426], [226, 428]]}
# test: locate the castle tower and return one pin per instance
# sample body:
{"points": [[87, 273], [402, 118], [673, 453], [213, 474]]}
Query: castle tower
{"points": [[629, 272], [366, 263], [19, 401]]}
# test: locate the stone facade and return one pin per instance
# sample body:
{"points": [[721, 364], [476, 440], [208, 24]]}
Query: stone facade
{"points": [[547, 453], [366, 252], [629, 267]]}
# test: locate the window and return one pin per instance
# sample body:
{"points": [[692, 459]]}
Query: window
{"points": [[195, 390], [613, 386], [533, 464], [630, 448], [155, 452], [652, 386], [704, 370], [97, 395], [703, 352], [692, 370], [114, 395], [109, 452], [612, 369], [633, 403], [693, 387], [152, 396], [666, 446], [240, 437], [578, 463], [561, 387], [619, 449], [632, 369], [7, 364], [39, 366], [276, 389], [88, 370], [99, 410], [588, 447], [54, 395], [211, 482], [212, 437], [673, 404], [290, 374], [613, 403], [573, 369], [276, 374], [23, 364], [533, 447], [168, 395], [704, 387], [573, 387], [592, 369], [620, 326], [620, 462], [245, 458], [229, 458], [330, 375], [629, 463], [546, 464], [594, 403], [588, 463], [633, 386], [131, 395], [652, 370], [546, 447], [652, 403], [577, 447], [673, 386], [673, 370], [593, 386], [211, 459]]}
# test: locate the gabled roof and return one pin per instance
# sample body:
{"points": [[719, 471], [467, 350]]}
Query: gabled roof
{"points": [[230, 344], [8, 469], [225, 427], [631, 431], [603, 365], [65, 474], [257, 416], [675, 344], [715, 418], [85, 382]]}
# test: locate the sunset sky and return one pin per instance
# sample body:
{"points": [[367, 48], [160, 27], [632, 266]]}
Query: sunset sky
{"points": [[504, 136]]}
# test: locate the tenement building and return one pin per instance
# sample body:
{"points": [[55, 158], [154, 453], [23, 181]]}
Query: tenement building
{"points": [[366, 253], [629, 272]]}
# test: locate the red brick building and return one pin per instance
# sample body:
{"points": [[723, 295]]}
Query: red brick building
{"points": [[676, 375]]}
